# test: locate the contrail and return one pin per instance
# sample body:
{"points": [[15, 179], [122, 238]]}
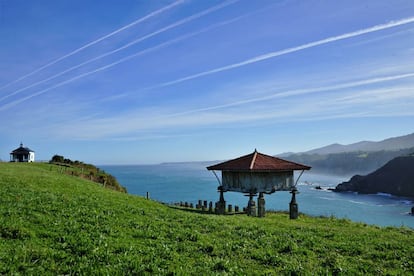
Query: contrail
{"points": [[267, 56], [169, 42], [152, 14], [228, 67], [299, 92], [176, 24]]}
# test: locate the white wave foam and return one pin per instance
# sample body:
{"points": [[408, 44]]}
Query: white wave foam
{"points": [[384, 194]]}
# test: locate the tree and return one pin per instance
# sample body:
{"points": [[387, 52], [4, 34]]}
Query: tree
{"points": [[57, 159]]}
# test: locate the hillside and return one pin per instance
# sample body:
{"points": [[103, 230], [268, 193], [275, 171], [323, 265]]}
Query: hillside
{"points": [[54, 223], [396, 178], [87, 171]]}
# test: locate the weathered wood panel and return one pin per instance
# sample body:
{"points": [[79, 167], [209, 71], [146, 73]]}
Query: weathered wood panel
{"points": [[256, 182]]}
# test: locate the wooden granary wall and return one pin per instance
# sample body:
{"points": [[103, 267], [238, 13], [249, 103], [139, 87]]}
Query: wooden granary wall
{"points": [[248, 182]]}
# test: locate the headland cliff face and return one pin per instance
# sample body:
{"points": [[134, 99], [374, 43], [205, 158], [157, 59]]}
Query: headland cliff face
{"points": [[396, 178]]}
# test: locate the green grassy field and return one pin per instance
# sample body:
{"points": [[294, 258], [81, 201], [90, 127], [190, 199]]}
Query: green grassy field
{"points": [[54, 223]]}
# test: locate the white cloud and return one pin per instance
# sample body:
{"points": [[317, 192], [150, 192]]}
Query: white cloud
{"points": [[300, 92], [345, 103]]}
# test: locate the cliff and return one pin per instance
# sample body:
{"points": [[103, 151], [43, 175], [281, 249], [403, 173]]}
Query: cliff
{"points": [[396, 177]]}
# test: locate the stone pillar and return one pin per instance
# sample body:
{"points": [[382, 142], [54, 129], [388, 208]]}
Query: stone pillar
{"points": [[251, 206], [261, 206], [230, 208], [221, 204], [210, 207], [293, 206]]}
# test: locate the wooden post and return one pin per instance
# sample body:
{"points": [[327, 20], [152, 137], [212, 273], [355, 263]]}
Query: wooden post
{"points": [[251, 206], [221, 204], [261, 205], [293, 205]]}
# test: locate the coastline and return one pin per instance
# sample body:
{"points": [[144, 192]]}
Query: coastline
{"points": [[177, 182]]}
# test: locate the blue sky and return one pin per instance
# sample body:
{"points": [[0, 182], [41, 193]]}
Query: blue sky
{"points": [[137, 82]]}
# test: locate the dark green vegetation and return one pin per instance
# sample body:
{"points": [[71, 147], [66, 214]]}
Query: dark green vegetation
{"points": [[54, 223], [346, 163], [87, 171]]}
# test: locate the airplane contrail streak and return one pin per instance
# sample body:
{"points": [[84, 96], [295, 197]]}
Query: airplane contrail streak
{"points": [[228, 67], [152, 14], [176, 24], [299, 92], [169, 42], [289, 50]]}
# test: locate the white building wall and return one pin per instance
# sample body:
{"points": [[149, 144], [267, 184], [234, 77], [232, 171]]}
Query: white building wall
{"points": [[31, 157], [26, 158]]}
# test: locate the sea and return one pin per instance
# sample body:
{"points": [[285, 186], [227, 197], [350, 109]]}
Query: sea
{"points": [[190, 182]]}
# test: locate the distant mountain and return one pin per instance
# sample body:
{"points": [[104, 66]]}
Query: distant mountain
{"points": [[357, 158], [348, 163], [390, 144], [396, 178]]}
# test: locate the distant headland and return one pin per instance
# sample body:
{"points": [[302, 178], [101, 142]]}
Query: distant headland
{"points": [[395, 178]]}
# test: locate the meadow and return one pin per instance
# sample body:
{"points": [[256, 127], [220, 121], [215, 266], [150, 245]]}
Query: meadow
{"points": [[55, 223]]}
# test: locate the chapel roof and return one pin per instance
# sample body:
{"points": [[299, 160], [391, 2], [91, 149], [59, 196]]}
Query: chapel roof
{"points": [[257, 161], [21, 150]]}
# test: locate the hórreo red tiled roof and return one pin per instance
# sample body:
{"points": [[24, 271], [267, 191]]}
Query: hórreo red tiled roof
{"points": [[258, 162]]}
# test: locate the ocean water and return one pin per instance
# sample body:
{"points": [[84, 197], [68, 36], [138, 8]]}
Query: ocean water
{"points": [[175, 182]]}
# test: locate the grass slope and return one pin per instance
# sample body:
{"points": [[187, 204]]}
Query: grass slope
{"points": [[52, 223]]}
